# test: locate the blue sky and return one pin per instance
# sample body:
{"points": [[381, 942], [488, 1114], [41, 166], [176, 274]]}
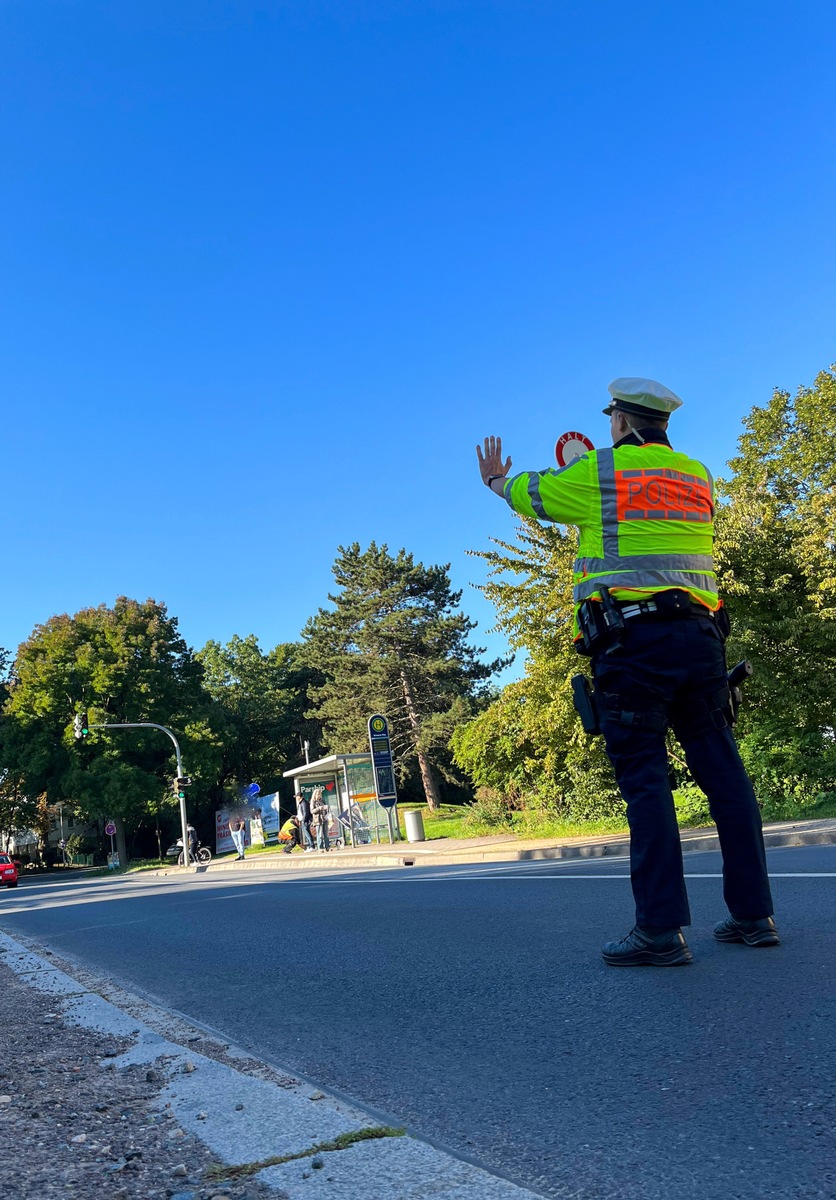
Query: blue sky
{"points": [[271, 269]]}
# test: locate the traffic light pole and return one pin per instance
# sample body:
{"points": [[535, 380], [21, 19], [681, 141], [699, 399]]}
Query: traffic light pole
{"points": [[152, 725]]}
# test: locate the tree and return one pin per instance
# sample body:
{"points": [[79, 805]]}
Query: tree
{"points": [[17, 811], [263, 698], [395, 642], [528, 744], [122, 664], [776, 557]]}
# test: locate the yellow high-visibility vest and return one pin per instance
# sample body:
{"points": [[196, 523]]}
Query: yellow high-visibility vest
{"points": [[645, 516]]}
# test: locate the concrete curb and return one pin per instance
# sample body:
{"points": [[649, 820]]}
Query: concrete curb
{"points": [[246, 1118], [799, 833]]}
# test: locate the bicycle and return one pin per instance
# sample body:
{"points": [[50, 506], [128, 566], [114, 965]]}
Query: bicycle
{"points": [[202, 856]]}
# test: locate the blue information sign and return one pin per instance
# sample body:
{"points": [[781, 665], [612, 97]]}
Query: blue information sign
{"points": [[381, 752]]}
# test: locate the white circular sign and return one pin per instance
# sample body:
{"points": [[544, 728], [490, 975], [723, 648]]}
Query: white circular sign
{"points": [[570, 446]]}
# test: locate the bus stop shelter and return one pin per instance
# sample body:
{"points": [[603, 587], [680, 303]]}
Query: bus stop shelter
{"points": [[347, 782]]}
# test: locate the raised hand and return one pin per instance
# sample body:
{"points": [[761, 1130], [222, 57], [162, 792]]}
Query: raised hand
{"points": [[490, 462]]}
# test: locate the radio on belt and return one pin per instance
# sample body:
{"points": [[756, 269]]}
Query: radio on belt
{"points": [[570, 446]]}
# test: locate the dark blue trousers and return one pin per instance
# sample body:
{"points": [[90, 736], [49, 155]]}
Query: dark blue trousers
{"points": [[671, 671]]}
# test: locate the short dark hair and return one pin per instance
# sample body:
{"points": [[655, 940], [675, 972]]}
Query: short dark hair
{"points": [[636, 421]]}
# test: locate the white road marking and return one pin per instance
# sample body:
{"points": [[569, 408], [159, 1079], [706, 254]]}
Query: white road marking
{"points": [[547, 875]]}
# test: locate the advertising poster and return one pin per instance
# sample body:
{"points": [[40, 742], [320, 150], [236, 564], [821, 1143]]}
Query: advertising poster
{"points": [[270, 816], [331, 798], [223, 838]]}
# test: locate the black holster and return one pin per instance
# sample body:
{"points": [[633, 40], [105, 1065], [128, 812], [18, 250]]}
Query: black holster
{"points": [[583, 697]]}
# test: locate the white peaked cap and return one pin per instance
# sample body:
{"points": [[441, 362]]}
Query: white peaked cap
{"points": [[643, 396]]}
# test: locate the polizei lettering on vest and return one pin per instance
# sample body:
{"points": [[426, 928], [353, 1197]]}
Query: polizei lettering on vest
{"points": [[662, 495]]}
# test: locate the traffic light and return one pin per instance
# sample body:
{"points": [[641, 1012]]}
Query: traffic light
{"points": [[81, 727], [181, 782]]}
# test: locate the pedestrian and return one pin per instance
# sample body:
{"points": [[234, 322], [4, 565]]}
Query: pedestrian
{"points": [[321, 815], [289, 834], [648, 614], [191, 833], [237, 829], [303, 813]]}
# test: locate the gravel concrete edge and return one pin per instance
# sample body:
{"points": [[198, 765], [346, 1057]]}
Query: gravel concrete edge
{"points": [[246, 1111]]}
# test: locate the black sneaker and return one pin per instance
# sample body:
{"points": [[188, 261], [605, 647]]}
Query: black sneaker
{"points": [[643, 949], [761, 932]]}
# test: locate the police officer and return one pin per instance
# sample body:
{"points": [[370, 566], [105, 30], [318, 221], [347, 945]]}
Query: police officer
{"points": [[648, 614]]}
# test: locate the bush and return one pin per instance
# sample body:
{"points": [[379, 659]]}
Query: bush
{"points": [[491, 812], [691, 806]]}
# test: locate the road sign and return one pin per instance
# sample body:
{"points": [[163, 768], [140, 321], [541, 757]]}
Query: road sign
{"points": [[570, 446], [381, 751], [110, 829]]}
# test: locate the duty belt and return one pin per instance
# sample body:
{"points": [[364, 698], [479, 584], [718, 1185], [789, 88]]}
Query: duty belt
{"points": [[640, 608]]}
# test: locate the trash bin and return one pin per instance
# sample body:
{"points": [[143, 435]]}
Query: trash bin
{"points": [[414, 825]]}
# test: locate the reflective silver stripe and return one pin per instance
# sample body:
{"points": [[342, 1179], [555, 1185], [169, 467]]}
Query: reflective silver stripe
{"points": [[507, 488], [609, 505], [664, 514], [664, 473], [641, 580], [534, 497], [645, 562], [533, 488]]}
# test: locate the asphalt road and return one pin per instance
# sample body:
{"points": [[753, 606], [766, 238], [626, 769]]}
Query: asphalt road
{"points": [[470, 1003]]}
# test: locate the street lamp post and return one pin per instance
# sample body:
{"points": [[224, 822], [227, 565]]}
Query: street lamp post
{"points": [[60, 808], [153, 725]]}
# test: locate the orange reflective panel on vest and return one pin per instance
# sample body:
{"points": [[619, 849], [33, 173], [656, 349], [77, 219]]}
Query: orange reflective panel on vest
{"points": [[654, 494]]}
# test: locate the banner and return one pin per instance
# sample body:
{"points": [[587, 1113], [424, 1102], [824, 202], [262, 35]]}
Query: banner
{"points": [[223, 838], [270, 816]]}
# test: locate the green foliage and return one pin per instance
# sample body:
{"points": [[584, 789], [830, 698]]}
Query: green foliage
{"points": [[395, 642], [74, 844], [263, 698], [17, 810], [490, 812], [529, 743], [122, 664], [776, 557], [691, 805]]}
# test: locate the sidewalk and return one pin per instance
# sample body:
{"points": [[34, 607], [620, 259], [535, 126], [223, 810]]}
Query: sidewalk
{"points": [[504, 848]]}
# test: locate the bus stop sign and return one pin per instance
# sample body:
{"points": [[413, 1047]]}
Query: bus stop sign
{"points": [[381, 752]]}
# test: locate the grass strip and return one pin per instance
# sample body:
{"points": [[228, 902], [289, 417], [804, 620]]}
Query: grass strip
{"points": [[217, 1171]]}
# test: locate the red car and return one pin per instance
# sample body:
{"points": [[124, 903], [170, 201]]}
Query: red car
{"points": [[8, 871]]}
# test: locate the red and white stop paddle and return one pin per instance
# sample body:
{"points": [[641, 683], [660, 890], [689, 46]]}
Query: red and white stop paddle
{"points": [[570, 446]]}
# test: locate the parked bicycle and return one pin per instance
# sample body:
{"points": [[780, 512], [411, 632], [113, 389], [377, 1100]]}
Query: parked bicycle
{"points": [[202, 855]]}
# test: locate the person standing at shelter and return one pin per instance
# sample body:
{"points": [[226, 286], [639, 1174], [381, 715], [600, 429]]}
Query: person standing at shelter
{"points": [[236, 830], [321, 819], [303, 812], [648, 614]]}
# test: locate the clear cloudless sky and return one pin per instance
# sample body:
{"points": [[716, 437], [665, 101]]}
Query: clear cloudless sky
{"points": [[270, 270]]}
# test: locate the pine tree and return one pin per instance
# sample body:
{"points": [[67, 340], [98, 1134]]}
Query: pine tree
{"points": [[395, 642], [529, 744]]}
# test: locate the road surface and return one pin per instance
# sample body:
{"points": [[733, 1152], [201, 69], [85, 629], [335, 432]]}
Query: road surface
{"points": [[470, 1003]]}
